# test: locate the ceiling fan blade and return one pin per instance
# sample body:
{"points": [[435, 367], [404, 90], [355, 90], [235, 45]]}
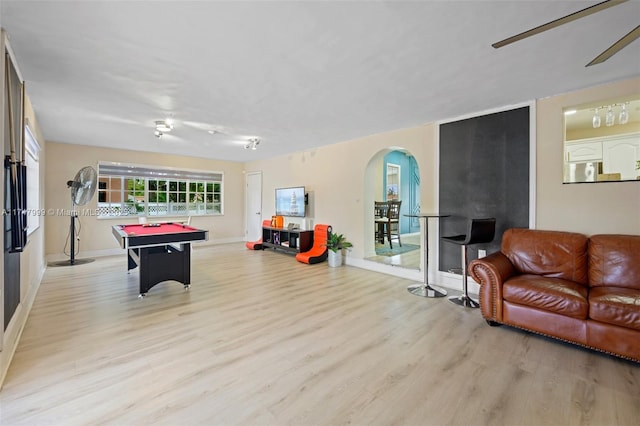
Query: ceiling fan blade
{"points": [[616, 47], [560, 21]]}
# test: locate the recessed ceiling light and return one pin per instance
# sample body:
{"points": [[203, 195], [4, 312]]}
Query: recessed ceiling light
{"points": [[570, 112]]}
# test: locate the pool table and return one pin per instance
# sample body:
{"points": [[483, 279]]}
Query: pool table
{"points": [[161, 251]]}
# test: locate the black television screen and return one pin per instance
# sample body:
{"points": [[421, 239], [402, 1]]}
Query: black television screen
{"points": [[290, 201]]}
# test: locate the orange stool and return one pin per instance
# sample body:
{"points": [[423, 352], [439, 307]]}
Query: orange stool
{"points": [[319, 252], [257, 245]]}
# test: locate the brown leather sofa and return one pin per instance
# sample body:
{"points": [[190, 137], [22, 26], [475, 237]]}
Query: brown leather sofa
{"points": [[565, 285]]}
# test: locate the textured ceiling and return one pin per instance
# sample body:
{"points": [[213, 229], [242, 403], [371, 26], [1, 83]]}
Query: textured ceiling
{"points": [[296, 74]]}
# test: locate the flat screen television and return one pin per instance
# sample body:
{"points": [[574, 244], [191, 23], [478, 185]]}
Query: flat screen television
{"points": [[290, 201]]}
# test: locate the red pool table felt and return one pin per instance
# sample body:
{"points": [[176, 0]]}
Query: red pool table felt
{"points": [[164, 228]]}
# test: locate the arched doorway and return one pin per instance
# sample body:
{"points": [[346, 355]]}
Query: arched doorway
{"points": [[393, 174]]}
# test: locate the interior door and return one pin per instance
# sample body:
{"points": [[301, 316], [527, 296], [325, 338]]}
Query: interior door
{"points": [[253, 203]]}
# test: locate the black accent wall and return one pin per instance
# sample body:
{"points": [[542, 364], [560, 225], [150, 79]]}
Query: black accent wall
{"points": [[484, 172]]}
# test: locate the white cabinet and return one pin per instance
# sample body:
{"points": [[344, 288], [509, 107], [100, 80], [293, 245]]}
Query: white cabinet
{"points": [[620, 156], [584, 151]]}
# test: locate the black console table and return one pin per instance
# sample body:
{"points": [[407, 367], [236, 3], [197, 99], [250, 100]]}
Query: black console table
{"points": [[289, 240]]}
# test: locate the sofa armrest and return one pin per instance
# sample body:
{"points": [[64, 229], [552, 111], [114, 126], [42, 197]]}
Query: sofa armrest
{"points": [[491, 272]]}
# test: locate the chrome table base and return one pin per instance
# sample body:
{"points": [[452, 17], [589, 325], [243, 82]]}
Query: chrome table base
{"points": [[426, 290], [464, 300]]}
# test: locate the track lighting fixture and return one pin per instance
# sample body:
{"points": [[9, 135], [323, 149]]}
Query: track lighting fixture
{"points": [[623, 118], [164, 126], [252, 144], [596, 118], [610, 116]]}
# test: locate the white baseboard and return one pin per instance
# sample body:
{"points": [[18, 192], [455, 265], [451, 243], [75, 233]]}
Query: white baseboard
{"points": [[221, 241], [454, 282]]}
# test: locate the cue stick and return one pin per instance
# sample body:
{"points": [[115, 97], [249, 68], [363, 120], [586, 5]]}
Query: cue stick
{"points": [[12, 161], [12, 139], [24, 123]]}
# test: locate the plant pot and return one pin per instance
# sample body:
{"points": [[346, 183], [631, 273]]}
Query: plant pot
{"points": [[335, 258]]}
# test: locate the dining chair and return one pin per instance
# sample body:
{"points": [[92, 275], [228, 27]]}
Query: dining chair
{"points": [[380, 209], [393, 222]]}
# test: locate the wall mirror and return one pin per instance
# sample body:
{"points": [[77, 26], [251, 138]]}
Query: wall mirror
{"points": [[602, 141], [393, 181]]}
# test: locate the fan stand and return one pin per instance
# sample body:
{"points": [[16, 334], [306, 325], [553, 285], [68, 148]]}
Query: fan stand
{"points": [[84, 180], [72, 236]]}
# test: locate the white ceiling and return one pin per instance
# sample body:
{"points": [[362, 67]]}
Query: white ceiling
{"points": [[296, 74]]}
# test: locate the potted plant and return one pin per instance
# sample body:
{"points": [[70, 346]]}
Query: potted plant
{"points": [[336, 243]]}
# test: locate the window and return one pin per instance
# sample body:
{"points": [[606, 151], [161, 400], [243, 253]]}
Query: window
{"points": [[130, 190], [32, 149]]}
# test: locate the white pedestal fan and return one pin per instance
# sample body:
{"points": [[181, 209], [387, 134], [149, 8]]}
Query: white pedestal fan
{"points": [[83, 186]]}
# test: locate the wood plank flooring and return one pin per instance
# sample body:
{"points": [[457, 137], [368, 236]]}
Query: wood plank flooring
{"points": [[409, 260], [261, 339]]}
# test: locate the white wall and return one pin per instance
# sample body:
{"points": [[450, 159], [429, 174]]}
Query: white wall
{"points": [[336, 177], [343, 180], [611, 207]]}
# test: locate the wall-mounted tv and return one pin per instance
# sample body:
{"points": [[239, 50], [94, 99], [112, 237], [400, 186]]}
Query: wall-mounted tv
{"points": [[290, 201]]}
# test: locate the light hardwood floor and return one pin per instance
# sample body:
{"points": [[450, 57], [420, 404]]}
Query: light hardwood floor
{"points": [[262, 339], [409, 260]]}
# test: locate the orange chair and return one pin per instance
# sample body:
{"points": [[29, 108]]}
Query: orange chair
{"points": [[319, 252], [257, 245]]}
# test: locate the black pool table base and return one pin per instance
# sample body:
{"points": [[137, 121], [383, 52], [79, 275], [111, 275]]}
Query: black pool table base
{"points": [[161, 263]]}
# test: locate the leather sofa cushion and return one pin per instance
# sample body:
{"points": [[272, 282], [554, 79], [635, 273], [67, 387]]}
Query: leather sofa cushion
{"points": [[615, 305], [553, 254], [614, 260], [549, 294]]}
